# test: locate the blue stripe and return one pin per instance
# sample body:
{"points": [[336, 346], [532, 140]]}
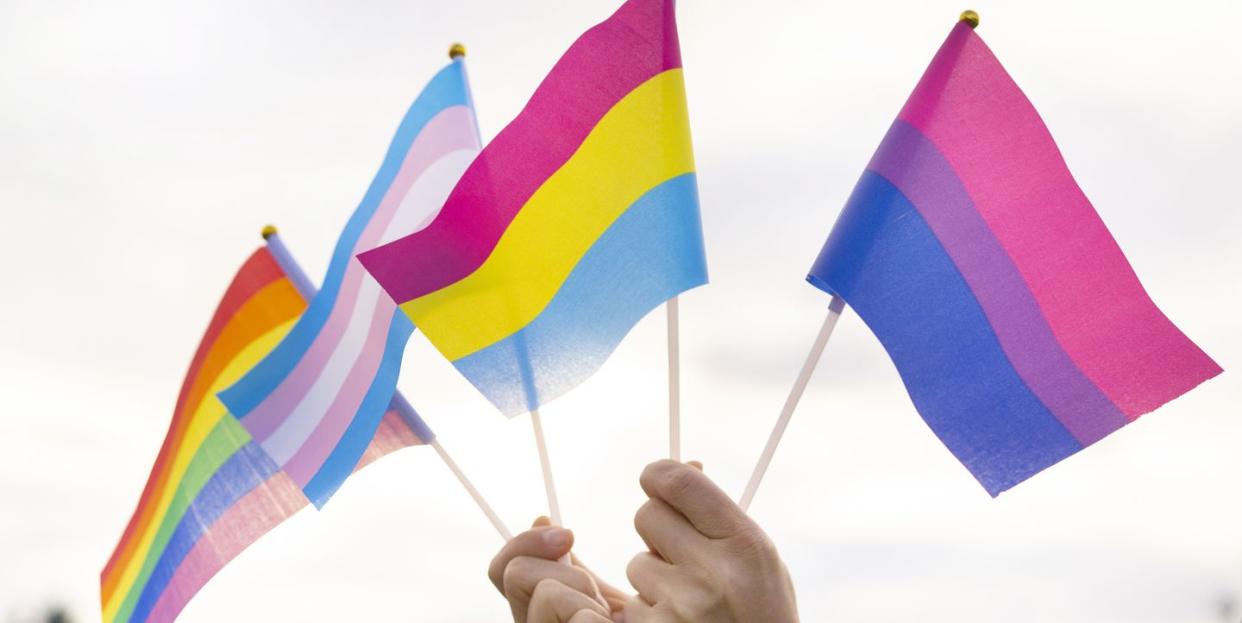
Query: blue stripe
{"points": [[884, 260], [447, 88], [340, 464], [651, 253], [307, 289], [920, 172], [248, 468]]}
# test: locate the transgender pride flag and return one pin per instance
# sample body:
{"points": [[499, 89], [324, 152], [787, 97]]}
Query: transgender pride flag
{"points": [[314, 403], [1019, 328]]}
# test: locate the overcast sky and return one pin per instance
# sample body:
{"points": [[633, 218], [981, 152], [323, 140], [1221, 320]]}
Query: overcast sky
{"points": [[143, 145]]}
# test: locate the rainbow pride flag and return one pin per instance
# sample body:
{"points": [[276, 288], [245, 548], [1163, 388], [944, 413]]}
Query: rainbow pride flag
{"points": [[313, 403], [1018, 326], [578, 219], [213, 491]]}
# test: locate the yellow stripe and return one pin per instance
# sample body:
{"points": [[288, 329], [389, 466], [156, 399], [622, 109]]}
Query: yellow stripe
{"points": [[641, 142], [204, 419]]}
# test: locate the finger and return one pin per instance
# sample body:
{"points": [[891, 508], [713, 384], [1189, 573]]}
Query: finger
{"points": [[639, 611], [651, 576], [667, 532], [587, 616], [694, 495], [613, 596], [549, 543], [554, 602], [524, 574]]}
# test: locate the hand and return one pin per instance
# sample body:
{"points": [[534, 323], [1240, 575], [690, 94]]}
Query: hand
{"points": [[709, 563], [542, 590]]}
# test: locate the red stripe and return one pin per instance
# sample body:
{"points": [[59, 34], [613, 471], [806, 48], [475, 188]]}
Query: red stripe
{"points": [[259, 270]]}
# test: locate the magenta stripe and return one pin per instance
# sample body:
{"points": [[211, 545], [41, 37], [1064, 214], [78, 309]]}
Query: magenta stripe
{"points": [[306, 462], [992, 137], [450, 130], [911, 163], [601, 67]]}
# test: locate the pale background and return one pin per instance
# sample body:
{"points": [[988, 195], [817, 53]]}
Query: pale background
{"points": [[143, 144]]}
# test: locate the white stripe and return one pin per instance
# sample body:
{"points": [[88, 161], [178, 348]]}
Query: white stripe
{"points": [[427, 195], [417, 209], [285, 441]]}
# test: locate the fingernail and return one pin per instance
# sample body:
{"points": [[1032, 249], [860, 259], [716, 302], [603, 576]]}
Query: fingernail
{"points": [[556, 537], [696, 465], [618, 616]]}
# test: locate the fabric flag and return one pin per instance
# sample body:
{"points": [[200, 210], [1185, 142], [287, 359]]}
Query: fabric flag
{"points": [[1018, 326], [213, 491], [314, 402], [578, 219]]}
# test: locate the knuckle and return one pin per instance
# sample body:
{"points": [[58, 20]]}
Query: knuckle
{"points": [[495, 572], [653, 471], [677, 483], [644, 516], [634, 568], [704, 601], [750, 542], [583, 580], [546, 590], [514, 575]]}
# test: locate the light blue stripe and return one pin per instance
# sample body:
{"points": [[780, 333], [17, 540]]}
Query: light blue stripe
{"points": [[399, 404], [653, 252], [446, 89], [353, 443]]}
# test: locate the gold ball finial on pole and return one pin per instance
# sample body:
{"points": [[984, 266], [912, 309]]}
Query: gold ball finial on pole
{"points": [[456, 51], [268, 231], [970, 17]]}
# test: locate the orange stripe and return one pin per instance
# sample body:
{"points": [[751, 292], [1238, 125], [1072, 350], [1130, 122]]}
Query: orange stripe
{"points": [[259, 270], [272, 306]]}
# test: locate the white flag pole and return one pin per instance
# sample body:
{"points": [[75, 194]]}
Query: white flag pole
{"points": [[474, 493], [307, 289], [549, 484], [674, 382], [835, 307]]}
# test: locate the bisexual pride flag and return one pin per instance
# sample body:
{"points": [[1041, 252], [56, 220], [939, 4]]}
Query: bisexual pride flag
{"points": [[314, 402], [1020, 330], [578, 219], [213, 491]]}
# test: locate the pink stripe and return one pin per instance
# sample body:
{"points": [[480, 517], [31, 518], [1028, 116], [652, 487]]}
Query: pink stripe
{"points": [[601, 67], [450, 130], [1099, 312], [307, 460], [251, 517], [392, 435], [254, 515]]}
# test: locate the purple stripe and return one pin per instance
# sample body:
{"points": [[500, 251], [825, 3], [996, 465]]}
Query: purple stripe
{"points": [[916, 167]]}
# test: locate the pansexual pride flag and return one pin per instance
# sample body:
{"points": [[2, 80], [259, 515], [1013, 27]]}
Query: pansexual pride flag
{"points": [[1020, 330], [213, 491], [314, 402], [578, 219]]}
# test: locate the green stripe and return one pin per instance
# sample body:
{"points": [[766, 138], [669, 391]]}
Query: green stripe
{"points": [[221, 443]]}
